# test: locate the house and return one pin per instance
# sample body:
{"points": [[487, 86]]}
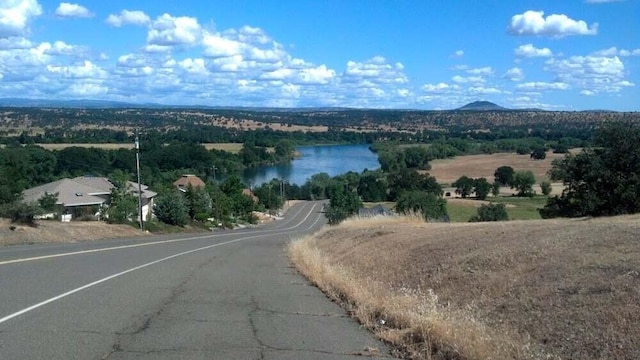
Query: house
{"points": [[83, 195], [378, 210], [183, 183]]}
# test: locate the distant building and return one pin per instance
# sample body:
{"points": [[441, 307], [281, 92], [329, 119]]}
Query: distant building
{"points": [[378, 210], [83, 193], [183, 183]]}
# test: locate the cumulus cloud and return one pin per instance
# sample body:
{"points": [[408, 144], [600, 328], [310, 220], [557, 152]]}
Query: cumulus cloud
{"points": [[85, 70], [542, 86], [127, 17], [375, 70], [458, 54], [469, 79], [68, 10], [439, 88], [556, 25], [529, 51], [514, 74], [480, 90], [613, 51], [487, 70], [593, 73], [15, 16], [167, 31]]}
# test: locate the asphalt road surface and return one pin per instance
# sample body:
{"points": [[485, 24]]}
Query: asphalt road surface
{"points": [[224, 295]]}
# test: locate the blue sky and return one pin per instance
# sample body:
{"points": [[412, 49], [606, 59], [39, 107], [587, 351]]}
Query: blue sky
{"points": [[556, 55]]}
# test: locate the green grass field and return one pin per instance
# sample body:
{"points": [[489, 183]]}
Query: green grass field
{"points": [[517, 208]]}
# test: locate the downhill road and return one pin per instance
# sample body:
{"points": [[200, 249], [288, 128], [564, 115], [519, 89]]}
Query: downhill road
{"points": [[223, 295]]}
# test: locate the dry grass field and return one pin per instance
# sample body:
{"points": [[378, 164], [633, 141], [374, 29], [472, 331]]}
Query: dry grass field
{"points": [[449, 170], [552, 289], [55, 231]]}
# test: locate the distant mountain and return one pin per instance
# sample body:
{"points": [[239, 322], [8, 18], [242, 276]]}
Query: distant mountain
{"points": [[482, 106], [80, 104]]}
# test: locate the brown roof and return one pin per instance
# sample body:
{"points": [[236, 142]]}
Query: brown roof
{"points": [[187, 180]]}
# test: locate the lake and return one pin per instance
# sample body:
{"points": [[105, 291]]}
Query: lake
{"points": [[332, 159]]}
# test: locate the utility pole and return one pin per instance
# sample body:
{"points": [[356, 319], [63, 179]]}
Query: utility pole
{"points": [[139, 185], [214, 173]]}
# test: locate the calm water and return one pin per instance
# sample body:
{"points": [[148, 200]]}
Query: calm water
{"points": [[332, 159]]}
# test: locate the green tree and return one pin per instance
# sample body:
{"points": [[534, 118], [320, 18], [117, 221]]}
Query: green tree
{"points": [[198, 202], [343, 204], [408, 180], [171, 209], [504, 175], [123, 206], [48, 202], [603, 180], [430, 206], [539, 153], [284, 150], [464, 186], [545, 187], [523, 182], [416, 157], [491, 212], [373, 187], [481, 187], [495, 189]]}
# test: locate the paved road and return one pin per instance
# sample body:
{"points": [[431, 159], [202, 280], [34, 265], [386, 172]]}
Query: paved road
{"points": [[228, 295]]}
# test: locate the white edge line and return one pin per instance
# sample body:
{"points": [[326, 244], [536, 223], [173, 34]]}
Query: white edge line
{"points": [[71, 292]]}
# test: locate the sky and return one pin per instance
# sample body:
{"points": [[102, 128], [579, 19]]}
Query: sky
{"points": [[414, 54]]}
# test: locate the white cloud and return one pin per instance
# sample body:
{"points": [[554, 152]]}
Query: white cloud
{"points": [[84, 71], [542, 86], [69, 10], [167, 31], [458, 54], [514, 74], [15, 43], [439, 88], [127, 17], [529, 50], [468, 80], [375, 70], [487, 70], [594, 73], [480, 90], [15, 16], [613, 51], [534, 23]]}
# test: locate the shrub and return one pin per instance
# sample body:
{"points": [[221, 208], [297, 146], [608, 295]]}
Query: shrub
{"points": [[21, 213], [491, 212], [545, 186]]}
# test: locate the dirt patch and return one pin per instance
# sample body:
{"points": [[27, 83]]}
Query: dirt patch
{"points": [[566, 289], [59, 232], [475, 166]]}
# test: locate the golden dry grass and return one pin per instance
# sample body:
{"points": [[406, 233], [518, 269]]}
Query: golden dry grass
{"points": [[567, 289], [475, 166], [55, 231]]}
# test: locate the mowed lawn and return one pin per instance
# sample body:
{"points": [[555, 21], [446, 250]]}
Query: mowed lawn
{"points": [[518, 208]]}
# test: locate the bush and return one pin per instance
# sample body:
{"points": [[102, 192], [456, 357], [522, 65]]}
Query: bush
{"points": [[21, 213], [545, 186], [172, 209], [491, 212]]}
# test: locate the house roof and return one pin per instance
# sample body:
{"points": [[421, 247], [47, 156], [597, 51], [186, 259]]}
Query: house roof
{"points": [[187, 180], [70, 193], [82, 190]]}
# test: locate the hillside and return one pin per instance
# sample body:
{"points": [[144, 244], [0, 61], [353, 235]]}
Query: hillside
{"points": [[520, 290], [482, 106]]}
